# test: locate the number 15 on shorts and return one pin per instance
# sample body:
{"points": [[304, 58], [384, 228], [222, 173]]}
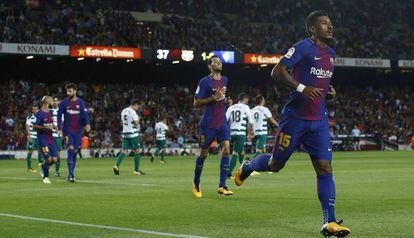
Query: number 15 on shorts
{"points": [[284, 140]]}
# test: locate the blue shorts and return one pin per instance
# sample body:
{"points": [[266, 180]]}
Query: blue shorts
{"points": [[72, 139], [313, 136], [48, 149], [208, 135]]}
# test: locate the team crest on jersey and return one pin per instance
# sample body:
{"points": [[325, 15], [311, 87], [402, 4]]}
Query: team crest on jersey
{"points": [[290, 52], [332, 61], [77, 106]]}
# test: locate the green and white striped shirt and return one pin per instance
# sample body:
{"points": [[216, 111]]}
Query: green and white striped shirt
{"points": [[30, 121], [129, 129], [161, 128], [55, 133], [238, 116], [260, 116]]}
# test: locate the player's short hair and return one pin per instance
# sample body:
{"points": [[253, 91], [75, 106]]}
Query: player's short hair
{"points": [[211, 59], [44, 99], [136, 102], [310, 19], [242, 96], [71, 86], [259, 98]]}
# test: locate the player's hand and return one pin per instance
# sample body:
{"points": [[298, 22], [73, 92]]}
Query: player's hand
{"points": [[219, 93], [49, 127], [331, 92], [60, 133], [229, 102], [312, 92], [88, 128], [30, 139]]}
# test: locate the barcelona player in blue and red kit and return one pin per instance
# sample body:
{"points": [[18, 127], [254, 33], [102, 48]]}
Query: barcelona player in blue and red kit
{"points": [[47, 146], [211, 94], [304, 119], [76, 116]]}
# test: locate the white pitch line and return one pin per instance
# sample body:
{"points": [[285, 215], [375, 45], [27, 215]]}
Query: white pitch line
{"points": [[87, 181], [99, 226]]}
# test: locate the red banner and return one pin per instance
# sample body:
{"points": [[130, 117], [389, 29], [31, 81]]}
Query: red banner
{"points": [[105, 52], [262, 58]]}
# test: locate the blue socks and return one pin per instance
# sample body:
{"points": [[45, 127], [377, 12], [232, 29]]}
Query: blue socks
{"points": [[326, 194], [45, 167], [71, 162], [260, 163], [198, 169], [224, 170]]}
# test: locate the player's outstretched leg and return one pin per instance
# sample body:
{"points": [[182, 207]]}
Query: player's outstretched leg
{"points": [[197, 174], [121, 157], [260, 163]]}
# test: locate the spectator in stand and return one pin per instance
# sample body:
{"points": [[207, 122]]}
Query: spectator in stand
{"points": [[356, 133]]}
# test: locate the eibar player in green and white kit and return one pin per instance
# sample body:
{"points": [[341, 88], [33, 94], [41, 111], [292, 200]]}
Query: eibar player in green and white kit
{"points": [[31, 143], [261, 115], [161, 128], [130, 136], [55, 133], [240, 121]]}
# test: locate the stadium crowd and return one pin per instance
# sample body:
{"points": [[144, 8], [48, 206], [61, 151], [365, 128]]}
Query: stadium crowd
{"points": [[381, 110], [250, 26]]}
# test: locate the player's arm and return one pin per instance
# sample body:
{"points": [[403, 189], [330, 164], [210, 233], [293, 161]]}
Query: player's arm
{"points": [[331, 93], [250, 130], [59, 115], [280, 73], [273, 121], [135, 118], [202, 101], [27, 125], [85, 115]]}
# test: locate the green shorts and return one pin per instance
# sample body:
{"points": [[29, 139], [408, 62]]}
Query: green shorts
{"points": [[161, 144], [33, 145], [58, 142], [260, 141], [237, 141], [131, 143]]}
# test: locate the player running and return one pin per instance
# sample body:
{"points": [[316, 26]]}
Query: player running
{"points": [[75, 115], [31, 143], [261, 116], [130, 136], [304, 118], [160, 128], [44, 126], [56, 136], [211, 95], [240, 121]]}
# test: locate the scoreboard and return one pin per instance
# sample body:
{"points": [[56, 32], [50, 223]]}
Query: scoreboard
{"points": [[227, 57]]}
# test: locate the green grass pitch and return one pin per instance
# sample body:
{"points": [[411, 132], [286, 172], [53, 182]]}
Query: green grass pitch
{"points": [[375, 197]]}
